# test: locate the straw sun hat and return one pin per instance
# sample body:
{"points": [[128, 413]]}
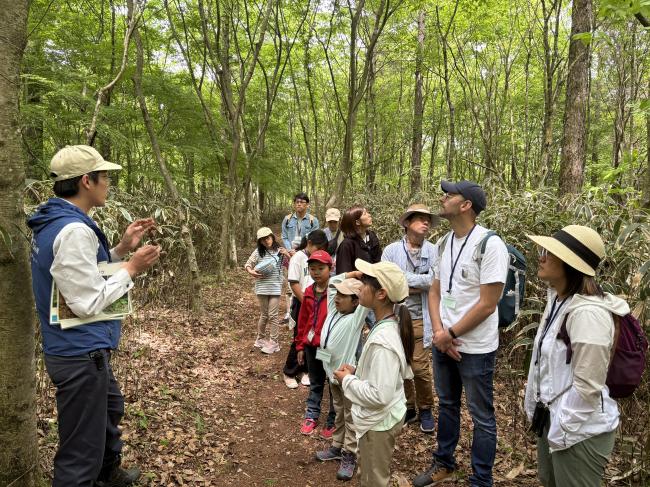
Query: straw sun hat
{"points": [[578, 246]]}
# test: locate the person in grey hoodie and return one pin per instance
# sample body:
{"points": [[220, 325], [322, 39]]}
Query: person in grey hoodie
{"points": [[567, 400], [376, 387]]}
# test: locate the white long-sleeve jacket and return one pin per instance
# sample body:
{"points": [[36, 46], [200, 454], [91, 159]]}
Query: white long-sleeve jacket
{"points": [[378, 383], [580, 405]]}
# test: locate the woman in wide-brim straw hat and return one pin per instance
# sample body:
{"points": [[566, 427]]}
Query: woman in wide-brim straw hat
{"points": [[568, 404]]}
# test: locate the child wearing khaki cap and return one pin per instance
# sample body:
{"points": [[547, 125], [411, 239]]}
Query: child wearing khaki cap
{"points": [[376, 387]]}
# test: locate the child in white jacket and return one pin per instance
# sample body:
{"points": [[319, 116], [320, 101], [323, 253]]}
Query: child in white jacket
{"points": [[376, 388]]}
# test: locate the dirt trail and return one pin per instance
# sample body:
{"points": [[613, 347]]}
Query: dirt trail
{"points": [[205, 408]]}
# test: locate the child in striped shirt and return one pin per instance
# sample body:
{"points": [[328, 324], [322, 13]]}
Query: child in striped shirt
{"points": [[265, 265]]}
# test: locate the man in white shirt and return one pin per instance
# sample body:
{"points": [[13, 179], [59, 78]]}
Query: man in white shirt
{"points": [[463, 306], [67, 247]]}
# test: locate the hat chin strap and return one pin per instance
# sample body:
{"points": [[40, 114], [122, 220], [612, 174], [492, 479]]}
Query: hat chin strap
{"points": [[578, 248]]}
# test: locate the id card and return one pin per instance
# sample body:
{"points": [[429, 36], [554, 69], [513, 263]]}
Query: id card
{"points": [[323, 355], [448, 301], [311, 335]]}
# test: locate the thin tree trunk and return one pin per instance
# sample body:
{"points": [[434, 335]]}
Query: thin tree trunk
{"points": [[451, 136], [19, 451], [106, 90], [418, 111], [356, 87], [577, 98], [646, 185], [195, 283], [552, 61]]}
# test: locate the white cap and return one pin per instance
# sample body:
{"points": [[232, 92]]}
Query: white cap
{"points": [[389, 275], [77, 160]]}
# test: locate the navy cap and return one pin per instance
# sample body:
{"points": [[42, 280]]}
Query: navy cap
{"points": [[469, 190]]}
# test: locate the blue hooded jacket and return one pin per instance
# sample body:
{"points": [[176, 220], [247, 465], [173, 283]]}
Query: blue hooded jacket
{"points": [[46, 223]]}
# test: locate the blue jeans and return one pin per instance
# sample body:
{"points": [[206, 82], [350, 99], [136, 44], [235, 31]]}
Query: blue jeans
{"points": [[317, 378], [474, 372]]}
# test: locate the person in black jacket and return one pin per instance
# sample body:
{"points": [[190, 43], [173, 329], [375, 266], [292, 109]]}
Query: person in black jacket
{"points": [[359, 243]]}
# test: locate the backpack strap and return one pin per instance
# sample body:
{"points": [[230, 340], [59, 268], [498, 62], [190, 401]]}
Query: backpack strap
{"points": [[286, 220], [442, 243], [563, 335], [482, 245]]}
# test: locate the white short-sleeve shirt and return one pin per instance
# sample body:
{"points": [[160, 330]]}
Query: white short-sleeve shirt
{"points": [[299, 271], [465, 286]]}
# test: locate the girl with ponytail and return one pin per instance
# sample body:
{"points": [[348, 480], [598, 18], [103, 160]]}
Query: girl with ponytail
{"points": [[376, 387]]}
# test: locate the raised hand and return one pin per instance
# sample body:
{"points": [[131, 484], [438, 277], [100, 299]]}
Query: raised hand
{"points": [[133, 235], [142, 259]]}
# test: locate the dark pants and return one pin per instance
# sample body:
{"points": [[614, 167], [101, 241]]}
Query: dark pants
{"points": [[89, 408], [474, 372], [291, 366], [317, 378]]}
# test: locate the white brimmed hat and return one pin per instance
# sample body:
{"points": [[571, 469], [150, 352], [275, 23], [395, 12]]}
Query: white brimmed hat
{"points": [[77, 160], [389, 275], [264, 232], [578, 246], [349, 286]]}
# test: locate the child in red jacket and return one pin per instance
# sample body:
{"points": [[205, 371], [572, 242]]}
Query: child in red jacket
{"points": [[310, 322]]}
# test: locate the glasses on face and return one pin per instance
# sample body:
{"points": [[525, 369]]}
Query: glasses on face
{"points": [[300, 202], [542, 253], [448, 196]]}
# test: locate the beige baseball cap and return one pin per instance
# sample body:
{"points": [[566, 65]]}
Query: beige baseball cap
{"points": [[77, 160], [389, 275], [333, 214], [348, 286], [264, 232]]}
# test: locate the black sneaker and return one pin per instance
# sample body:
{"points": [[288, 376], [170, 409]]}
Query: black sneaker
{"points": [[120, 477], [411, 416], [436, 474]]}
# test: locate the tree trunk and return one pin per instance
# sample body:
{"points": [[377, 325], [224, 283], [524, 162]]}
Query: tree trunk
{"points": [[451, 136], [646, 185], [19, 451], [418, 111], [195, 283], [552, 60], [356, 88], [577, 98]]}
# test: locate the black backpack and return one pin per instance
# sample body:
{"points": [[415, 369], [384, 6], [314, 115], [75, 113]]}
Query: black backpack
{"points": [[515, 285]]}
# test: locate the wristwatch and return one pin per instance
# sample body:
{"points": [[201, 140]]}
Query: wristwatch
{"points": [[451, 332]]}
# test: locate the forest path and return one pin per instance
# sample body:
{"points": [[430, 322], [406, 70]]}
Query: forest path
{"points": [[206, 408]]}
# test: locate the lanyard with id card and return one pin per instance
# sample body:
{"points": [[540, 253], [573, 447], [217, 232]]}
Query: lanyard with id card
{"points": [[448, 301]]}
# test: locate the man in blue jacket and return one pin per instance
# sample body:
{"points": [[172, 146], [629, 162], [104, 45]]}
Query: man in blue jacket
{"points": [[67, 246], [297, 225]]}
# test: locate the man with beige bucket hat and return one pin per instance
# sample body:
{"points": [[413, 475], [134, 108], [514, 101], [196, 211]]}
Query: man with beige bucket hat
{"points": [[416, 256], [67, 246]]}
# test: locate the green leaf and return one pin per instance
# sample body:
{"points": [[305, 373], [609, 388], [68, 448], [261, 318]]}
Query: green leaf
{"points": [[584, 37]]}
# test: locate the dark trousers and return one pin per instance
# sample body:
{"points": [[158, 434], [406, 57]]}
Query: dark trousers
{"points": [[89, 408], [317, 378], [291, 366]]}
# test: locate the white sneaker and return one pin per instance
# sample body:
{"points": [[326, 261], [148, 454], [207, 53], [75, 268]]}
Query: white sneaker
{"points": [[290, 382], [305, 380], [271, 347], [261, 343]]}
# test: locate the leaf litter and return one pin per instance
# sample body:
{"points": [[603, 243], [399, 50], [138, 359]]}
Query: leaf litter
{"points": [[206, 408]]}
